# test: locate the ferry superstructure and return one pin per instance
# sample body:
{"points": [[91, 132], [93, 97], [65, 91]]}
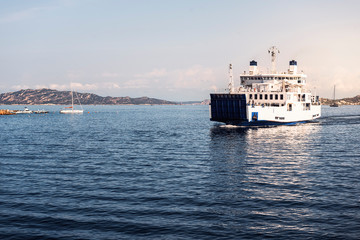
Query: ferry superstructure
{"points": [[266, 99]]}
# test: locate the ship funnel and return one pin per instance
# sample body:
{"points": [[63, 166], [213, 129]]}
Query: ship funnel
{"points": [[253, 68], [293, 67]]}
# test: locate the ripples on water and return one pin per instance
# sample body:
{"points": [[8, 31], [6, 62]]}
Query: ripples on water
{"points": [[167, 172]]}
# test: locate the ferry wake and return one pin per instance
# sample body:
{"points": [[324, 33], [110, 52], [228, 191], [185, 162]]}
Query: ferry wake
{"points": [[266, 99]]}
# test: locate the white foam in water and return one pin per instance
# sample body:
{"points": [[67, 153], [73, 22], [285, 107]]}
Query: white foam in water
{"points": [[229, 126]]}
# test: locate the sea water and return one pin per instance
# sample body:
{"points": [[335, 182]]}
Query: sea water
{"points": [[167, 172]]}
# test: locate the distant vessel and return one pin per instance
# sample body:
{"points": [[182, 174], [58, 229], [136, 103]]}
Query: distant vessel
{"points": [[266, 99], [71, 110], [25, 111], [41, 111], [334, 104]]}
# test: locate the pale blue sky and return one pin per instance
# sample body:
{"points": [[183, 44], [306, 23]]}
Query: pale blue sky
{"points": [[174, 50]]}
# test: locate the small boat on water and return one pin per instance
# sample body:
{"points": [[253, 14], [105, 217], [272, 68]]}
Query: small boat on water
{"points": [[71, 110], [41, 111], [25, 111]]}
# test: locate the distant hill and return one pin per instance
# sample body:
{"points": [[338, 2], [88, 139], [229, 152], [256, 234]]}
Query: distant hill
{"points": [[50, 96], [204, 102], [344, 101]]}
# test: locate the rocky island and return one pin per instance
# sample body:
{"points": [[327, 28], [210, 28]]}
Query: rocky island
{"points": [[50, 96]]}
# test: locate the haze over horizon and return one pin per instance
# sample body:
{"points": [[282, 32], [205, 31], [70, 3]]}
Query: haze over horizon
{"points": [[174, 50]]}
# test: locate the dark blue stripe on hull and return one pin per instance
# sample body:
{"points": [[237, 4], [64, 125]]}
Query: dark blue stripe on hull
{"points": [[264, 123]]}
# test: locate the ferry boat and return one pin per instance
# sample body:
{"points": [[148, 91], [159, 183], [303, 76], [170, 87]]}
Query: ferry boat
{"points": [[274, 98]]}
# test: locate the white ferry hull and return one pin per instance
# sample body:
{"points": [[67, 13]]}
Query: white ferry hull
{"points": [[280, 115], [270, 116]]}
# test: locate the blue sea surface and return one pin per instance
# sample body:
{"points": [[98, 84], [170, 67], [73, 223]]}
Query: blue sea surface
{"points": [[167, 172]]}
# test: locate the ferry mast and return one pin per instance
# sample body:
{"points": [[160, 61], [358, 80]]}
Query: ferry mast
{"points": [[273, 52], [231, 80]]}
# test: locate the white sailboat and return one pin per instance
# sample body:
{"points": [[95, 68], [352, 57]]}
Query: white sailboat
{"points": [[71, 110], [334, 104]]}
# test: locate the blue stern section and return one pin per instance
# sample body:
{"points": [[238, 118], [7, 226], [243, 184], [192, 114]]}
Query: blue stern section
{"points": [[228, 108]]}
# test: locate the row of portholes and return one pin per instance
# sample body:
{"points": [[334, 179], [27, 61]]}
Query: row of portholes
{"points": [[270, 78], [262, 96]]}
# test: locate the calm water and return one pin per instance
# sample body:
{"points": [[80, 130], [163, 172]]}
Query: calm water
{"points": [[167, 172]]}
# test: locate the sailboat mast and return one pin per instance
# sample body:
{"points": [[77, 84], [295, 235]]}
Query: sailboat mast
{"points": [[72, 100], [334, 92]]}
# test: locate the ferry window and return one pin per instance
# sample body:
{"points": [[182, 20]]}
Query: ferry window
{"points": [[250, 96], [260, 96], [271, 97], [266, 96], [255, 95], [281, 97], [289, 107], [276, 97], [299, 81]]}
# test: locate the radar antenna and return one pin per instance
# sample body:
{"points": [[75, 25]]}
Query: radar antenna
{"points": [[231, 80], [273, 52]]}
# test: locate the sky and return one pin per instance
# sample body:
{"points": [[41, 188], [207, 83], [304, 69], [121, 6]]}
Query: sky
{"points": [[175, 50]]}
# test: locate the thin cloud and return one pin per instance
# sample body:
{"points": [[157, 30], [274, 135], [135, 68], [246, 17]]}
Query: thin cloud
{"points": [[196, 76], [111, 85], [18, 87], [156, 73], [24, 14], [138, 84], [74, 85], [109, 75]]}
